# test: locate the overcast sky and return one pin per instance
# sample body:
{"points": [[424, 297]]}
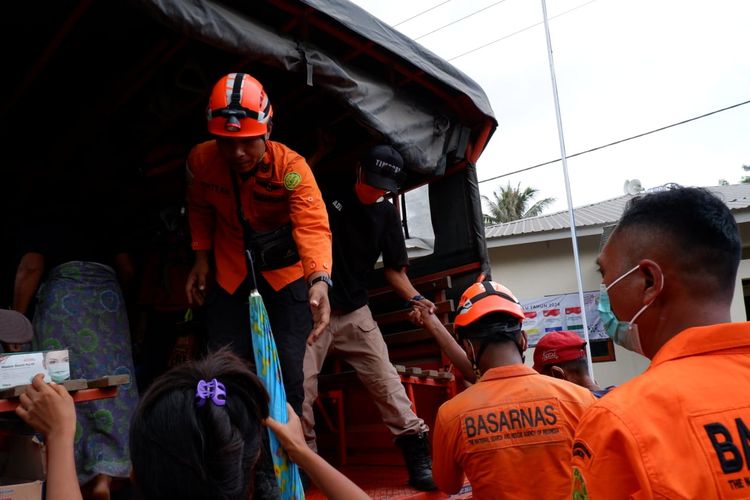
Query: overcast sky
{"points": [[623, 67]]}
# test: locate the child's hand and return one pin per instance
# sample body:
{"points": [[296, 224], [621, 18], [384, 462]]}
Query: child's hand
{"points": [[417, 315], [290, 435], [49, 409]]}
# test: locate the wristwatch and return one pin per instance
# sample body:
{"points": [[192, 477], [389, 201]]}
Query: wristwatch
{"points": [[324, 278]]}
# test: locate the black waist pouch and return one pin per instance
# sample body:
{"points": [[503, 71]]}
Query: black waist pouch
{"points": [[272, 249]]}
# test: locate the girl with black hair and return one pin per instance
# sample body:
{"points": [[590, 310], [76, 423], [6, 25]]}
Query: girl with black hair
{"points": [[195, 435]]}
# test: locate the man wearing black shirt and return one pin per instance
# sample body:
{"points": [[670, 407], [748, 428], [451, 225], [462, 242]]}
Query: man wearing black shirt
{"points": [[364, 226]]}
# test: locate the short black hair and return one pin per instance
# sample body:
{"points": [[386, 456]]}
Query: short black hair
{"points": [[702, 232], [180, 450], [580, 365]]}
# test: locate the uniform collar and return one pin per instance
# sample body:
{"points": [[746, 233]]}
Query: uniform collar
{"points": [[704, 339], [517, 370]]}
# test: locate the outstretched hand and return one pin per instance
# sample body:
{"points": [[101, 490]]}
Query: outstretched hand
{"points": [[420, 309], [195, 287], [49, 409], [332, 483], [321, 310], [290, 434]]}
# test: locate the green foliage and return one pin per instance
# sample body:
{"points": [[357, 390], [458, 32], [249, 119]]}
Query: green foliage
{"points": [[512, 203]]}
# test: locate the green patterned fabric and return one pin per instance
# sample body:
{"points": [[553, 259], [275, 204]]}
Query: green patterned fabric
{"points": [[81, 308]]}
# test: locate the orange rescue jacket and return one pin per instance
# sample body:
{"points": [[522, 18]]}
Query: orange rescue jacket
{"points": [[681, 430], [282, 189], [510, 434]]}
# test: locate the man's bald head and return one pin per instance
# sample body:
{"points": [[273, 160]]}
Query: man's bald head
{"points": [[690, 229]]}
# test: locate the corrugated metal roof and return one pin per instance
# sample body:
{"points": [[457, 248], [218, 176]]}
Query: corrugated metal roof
{"points": [[736, 196]]}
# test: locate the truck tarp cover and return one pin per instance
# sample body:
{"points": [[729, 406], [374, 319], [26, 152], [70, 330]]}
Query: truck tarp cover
{"points": [[424, 134]]}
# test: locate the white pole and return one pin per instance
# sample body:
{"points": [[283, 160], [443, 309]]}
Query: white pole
{"points": [[571, 214]]}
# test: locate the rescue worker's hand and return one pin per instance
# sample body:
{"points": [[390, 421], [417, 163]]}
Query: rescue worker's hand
{"points": [[49, 409], [423, 305], [321, 310], [195, 288]]}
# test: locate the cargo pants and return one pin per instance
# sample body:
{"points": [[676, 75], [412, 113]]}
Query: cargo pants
{"points": [[357, 338]]}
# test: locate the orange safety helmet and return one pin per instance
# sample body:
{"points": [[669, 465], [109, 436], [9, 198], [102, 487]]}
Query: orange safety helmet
{"points": [[484, 298], [238, 107]]}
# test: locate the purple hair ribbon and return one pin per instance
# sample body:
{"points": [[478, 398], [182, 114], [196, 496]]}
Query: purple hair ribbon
{"points": [[212, 389]]}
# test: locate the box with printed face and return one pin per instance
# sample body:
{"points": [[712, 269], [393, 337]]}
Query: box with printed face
{"points": [[19, 368]]}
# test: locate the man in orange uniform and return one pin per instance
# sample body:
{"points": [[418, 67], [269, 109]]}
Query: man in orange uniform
{"points": [[247, 192], [513, 417], [681, 429]]}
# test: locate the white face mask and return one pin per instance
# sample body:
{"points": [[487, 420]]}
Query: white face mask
{"points": [[623, 333], [59, 371]]}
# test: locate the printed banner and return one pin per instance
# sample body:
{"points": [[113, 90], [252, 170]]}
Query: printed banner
{"points": [[561, 312]]}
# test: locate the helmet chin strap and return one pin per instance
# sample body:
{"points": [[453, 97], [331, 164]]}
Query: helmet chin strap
{"points": [[474, 360]]}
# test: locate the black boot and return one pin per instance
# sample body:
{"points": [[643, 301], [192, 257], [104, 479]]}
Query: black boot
{"points": [[416, 450]]}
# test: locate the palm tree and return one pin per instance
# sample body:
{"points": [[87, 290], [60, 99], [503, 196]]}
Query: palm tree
{"points": [[512, 203]]}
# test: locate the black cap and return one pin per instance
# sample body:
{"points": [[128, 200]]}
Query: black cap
{"points": [[15, 328], [384, 168]]}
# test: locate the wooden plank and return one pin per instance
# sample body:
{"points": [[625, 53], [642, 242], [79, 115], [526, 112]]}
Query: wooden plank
{"points": [[79, 395], [109, 381], [13, 392], [75, 384], [70, 385]]}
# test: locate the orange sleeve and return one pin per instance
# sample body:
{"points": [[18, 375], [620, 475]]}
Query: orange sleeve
{"points": [[307, 212], [201, 217], [446, 472], [606, 459]]}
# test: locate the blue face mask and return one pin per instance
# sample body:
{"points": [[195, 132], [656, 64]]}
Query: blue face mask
{"points": [[623, 333]]}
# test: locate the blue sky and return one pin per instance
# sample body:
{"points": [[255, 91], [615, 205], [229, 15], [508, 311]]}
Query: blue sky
{"points": [[623, 68]]}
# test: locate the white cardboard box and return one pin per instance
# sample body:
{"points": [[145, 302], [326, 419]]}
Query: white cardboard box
{"points": [[22, 468], [19, 368]]}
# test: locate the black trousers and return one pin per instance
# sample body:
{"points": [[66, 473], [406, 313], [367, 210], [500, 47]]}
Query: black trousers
{"points": [[228, 324]]}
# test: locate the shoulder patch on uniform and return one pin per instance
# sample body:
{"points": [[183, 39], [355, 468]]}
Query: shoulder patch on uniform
{"points": [[292, 180]]}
